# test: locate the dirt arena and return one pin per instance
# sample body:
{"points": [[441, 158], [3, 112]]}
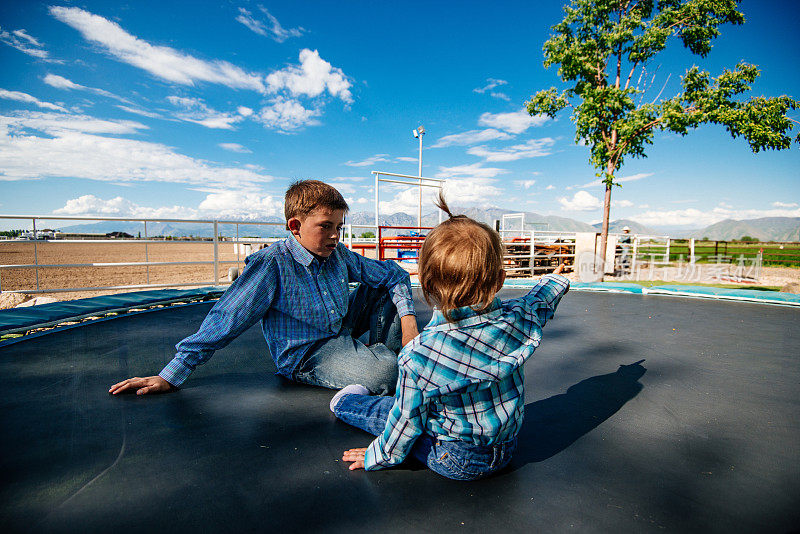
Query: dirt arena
{"points": [[55, 252]]}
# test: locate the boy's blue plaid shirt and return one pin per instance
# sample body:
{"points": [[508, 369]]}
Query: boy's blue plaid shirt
{"points": [[298, 300], [464, 380]]}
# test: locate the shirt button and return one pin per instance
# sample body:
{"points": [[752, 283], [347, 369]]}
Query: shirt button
{"points": [[324, 292], [333, 311]]}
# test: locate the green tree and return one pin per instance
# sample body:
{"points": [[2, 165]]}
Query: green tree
{"points": [[368, 235], [603, 49]]}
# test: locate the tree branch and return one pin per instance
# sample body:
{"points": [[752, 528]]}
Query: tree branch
{"points": [[662, 88]]}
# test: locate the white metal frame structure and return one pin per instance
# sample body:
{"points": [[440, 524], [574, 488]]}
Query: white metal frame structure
{"points": [[418, 181]]}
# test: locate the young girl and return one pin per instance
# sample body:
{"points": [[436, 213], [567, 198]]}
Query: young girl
{"points": [[460, 398]]}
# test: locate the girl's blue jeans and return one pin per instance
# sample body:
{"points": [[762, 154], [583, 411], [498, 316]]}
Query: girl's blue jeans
{"points": [[457, 460]]}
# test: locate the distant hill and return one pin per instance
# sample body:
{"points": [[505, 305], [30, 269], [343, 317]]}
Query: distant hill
{"points": [[486, 215], [764, 229], [177, 229], [615, 227]]}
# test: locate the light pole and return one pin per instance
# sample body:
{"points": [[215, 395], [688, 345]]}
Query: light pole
{"points": [[418, 133]]}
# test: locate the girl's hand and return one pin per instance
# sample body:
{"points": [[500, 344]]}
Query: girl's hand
{"points": [[559, 269], [356, 456]]}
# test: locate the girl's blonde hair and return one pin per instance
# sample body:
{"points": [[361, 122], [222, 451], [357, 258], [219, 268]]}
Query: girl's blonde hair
{"points": [[460, 263]]}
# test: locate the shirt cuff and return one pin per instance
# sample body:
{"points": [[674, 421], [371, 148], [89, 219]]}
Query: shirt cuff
{"points": [[401, 297], [176, 371], [371, 456], [560, 278]]}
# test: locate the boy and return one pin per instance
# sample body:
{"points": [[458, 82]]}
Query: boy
{"points": [[460, 396], [298, 288]]}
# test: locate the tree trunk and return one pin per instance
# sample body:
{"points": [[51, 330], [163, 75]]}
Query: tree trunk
{"points": [[604, 229]]}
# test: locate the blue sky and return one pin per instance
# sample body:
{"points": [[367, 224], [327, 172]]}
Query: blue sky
{"points": [[210, 109]]}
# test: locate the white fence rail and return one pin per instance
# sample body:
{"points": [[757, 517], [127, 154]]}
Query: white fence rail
{"points": [[37, 237]]}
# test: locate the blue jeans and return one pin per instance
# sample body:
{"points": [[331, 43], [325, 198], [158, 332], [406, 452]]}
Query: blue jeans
{"points": [[453, 459], [364, 352]]}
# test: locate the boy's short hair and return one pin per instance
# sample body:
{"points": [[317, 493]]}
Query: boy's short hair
{"points": [[460, 264], [305, 196]]}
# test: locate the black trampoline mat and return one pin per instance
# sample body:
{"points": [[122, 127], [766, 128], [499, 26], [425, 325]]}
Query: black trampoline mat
{"points": [[702, 435]]}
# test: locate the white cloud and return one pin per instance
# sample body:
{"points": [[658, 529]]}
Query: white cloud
{"points": [[476, 170], [695, 217], [287, 115], [272, 29], [232, 205], [372, 160], [73, 148], [235, 147], [581, 201], [471, 191], [344, 188], [631, 178], [311, 78], [350, 178], [25, 97], [492, 83], [622, 203], [142, 112], [90, 205], [25, 43], [58, 124], [531, 149], [240, 205], [407, 201], [471, 137], [515, 123], [160, 61], [549, 187], [59, 82], [785, 204], [195, 110], [244, 111], [406, 159], [527, 184], [634, 177]]}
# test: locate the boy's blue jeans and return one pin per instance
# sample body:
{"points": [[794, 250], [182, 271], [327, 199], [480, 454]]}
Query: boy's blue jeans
{"points": [[364, 352], [453, 459]]}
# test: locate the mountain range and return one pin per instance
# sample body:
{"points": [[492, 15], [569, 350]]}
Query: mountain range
{"points": [[763, 229]]}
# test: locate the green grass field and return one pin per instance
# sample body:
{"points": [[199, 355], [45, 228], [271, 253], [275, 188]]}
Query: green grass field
{"points": [[774, 254], [651, 283]]}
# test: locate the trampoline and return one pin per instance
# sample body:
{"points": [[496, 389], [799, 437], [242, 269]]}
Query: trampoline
{"points": [[643, 413]]}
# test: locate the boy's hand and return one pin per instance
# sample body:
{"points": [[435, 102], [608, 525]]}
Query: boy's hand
{"points": [[356, 456], [408, 326], [143, 386], [559, 269]]}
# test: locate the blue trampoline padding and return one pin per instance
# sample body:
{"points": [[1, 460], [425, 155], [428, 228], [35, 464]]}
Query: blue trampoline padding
{"points": [[745, 295], [20, 319], [748, 295]]}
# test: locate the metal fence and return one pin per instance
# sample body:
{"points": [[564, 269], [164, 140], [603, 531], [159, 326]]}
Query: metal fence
{"points": [[36, 237]]}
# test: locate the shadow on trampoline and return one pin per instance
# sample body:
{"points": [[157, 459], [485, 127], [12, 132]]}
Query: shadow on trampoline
{"points": [[553, 424]]}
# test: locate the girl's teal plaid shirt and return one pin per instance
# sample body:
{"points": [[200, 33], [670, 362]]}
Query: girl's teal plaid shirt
{"points": [[464, 380]]}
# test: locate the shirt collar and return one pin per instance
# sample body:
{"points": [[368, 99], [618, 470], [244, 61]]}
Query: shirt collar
{"points": [[298, 251], [465, 316]]}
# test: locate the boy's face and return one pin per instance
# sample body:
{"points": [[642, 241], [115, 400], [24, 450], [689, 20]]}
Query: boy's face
{"points": [[319, 231]]}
